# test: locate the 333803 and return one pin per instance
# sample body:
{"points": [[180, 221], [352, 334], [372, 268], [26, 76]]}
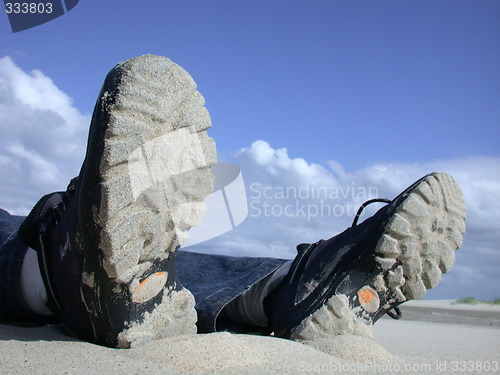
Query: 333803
{"points": [[28, 8]]}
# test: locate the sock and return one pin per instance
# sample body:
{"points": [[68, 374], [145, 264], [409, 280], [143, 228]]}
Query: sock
{"points": [[248, 308], [31, 285]]}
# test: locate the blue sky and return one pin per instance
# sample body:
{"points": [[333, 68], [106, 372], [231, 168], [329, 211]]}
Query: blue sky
{"points": [[357, 81], [365, 92]]}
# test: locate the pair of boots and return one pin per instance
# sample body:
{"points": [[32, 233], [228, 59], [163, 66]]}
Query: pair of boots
{"points": [[105, 246]]}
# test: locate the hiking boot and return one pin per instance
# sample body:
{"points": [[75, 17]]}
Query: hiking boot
{"points": [[345, 284], [105, 246]]}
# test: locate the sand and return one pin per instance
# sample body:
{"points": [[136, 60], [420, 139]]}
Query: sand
{"points": [[434, 337]]}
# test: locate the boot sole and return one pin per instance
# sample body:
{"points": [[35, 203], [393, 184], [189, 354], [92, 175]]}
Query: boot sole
{"points": [[154, 157], [417, 245]]}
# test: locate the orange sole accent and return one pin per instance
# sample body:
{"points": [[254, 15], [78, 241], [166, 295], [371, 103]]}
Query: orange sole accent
{"points": [[150, 287], [368, 298]]}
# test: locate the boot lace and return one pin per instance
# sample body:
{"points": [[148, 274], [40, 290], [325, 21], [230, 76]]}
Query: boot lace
{"points": [[360, 210], [58, 208]]}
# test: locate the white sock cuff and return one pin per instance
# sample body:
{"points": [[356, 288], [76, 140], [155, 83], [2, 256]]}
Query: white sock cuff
{"points": [[32, 288]]}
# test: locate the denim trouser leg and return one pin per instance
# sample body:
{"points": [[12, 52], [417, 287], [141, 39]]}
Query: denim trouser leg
{"points": [[12, 252], [214, 280]]}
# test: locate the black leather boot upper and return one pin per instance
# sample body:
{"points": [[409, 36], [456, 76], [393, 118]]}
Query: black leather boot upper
{"points": [[322, 269], [53, 229]]}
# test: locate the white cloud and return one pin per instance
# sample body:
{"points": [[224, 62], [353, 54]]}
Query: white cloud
{"points": [[273, 163], [293, 201], [43, 137]]}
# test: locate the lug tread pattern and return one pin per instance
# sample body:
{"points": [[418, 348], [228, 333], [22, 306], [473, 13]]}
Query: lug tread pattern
{"points": [[153, 99], [424, 234]]}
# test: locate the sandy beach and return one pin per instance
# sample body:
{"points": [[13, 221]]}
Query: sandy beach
{"points": [[433, 337]]}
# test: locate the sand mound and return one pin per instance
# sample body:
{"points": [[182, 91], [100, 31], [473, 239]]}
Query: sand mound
{"points": [[225, 353], [47, 350], [352, 348], [426, 346]]}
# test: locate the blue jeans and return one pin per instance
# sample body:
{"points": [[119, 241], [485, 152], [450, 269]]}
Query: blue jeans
{"points": [[214, 280]]}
